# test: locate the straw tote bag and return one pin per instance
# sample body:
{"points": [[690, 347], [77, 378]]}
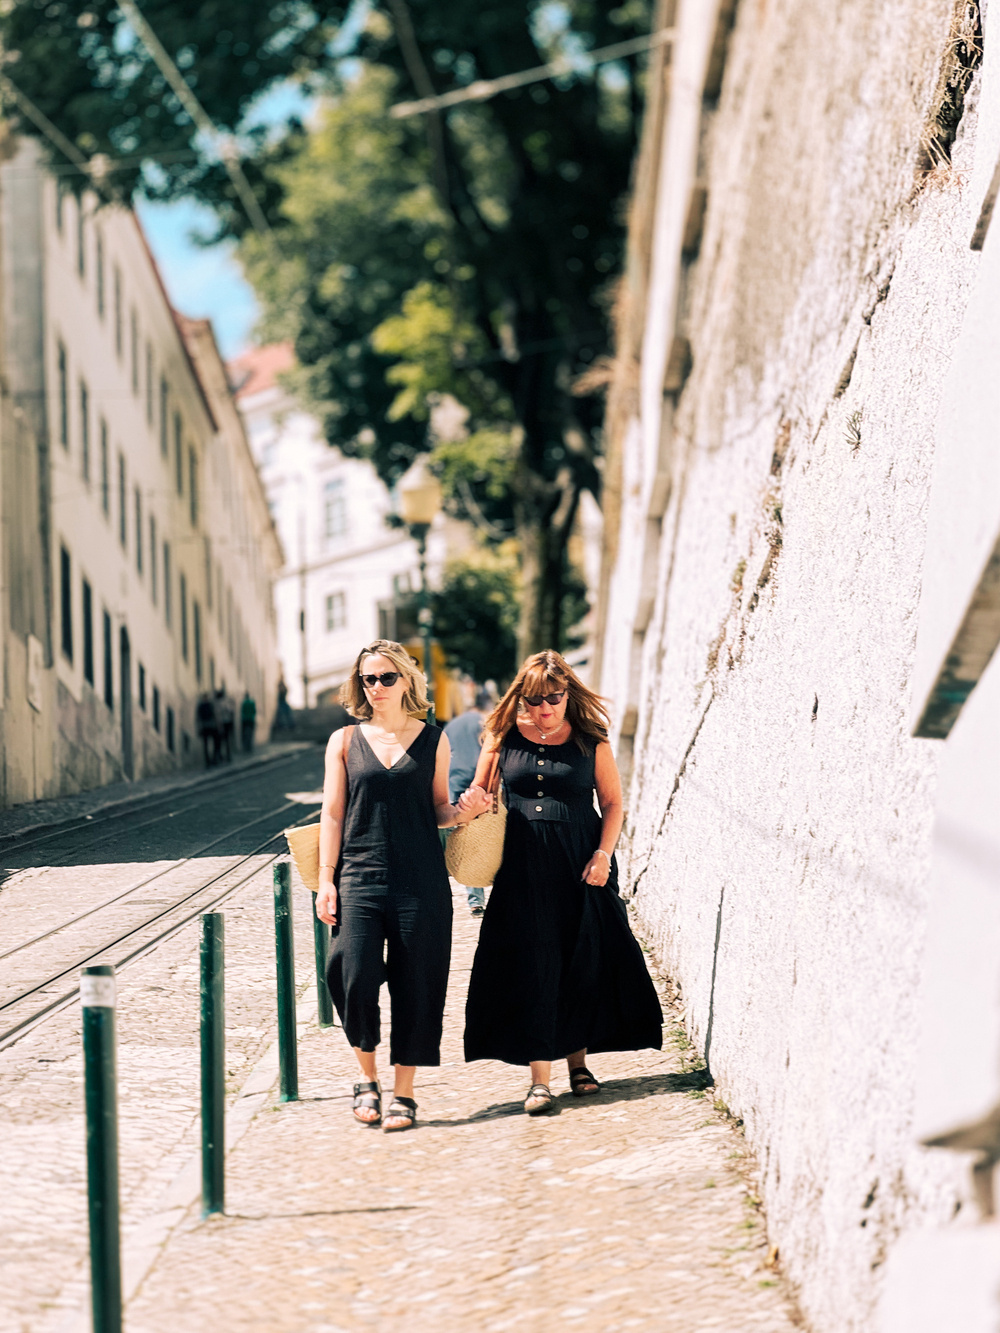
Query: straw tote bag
{"points": [[473, 852], [303, 839]]}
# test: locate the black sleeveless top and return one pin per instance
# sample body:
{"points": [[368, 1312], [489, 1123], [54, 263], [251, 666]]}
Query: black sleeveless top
{"points": [[391, 842]]}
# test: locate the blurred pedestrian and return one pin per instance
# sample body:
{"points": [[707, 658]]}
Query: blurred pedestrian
{"points": [[557, 972], [207, 727], [248, 721], [383, 884], [283, 719], [225, 715], [465, 735]]}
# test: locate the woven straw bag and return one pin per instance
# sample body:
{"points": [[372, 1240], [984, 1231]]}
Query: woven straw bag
{"points": [[303, 839], [473, 852]]}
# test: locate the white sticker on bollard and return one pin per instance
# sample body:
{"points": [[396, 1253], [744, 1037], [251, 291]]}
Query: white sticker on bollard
{"points": [[97, 992]]}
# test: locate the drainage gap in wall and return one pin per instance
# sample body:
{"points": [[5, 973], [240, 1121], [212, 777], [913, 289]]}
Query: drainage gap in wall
{"points": [[962, 57]]}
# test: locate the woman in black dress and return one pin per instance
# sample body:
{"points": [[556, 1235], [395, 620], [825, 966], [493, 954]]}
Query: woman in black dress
{"points": [[557, 972], [383, 883]]}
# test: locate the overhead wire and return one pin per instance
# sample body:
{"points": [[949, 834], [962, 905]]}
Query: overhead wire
{"points": [[481, 90]]}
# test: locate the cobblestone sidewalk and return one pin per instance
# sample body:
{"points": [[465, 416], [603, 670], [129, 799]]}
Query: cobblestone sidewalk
{"points": [[630, 1210]]}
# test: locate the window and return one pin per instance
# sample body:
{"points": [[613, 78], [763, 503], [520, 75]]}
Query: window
{"points": [[109, 679], [88, 633], [81, 250], [152, 558], [63, 398], [156, 708], [122, 516], [229, 623], [149, 382], [184, 618], [105, 471], [134, 348], [334, 509], [167, 584], [164, 417], [179, 452], [84, 431], [221, 602], [208, 572], [170, 729], [138, 530], [193, 487], [66, 603], [119, 332], [99, 273], [336, 611], [197, 641], [142, 687], [60, 199]]}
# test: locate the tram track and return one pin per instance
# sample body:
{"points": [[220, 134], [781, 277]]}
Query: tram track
{"points": [[23, 1024], [180, 800]]}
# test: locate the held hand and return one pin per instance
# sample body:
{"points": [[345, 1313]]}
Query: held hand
{"points": [[474, 799], [327, 904], [598, 869]]}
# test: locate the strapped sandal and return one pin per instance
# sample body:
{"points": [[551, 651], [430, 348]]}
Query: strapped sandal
{"points": [[401, 1108], [540, 1093], [368, 1097], [579, 1078]]}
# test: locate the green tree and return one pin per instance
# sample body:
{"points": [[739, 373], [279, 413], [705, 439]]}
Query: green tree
{"points": [[476, 612], [465, 252]]}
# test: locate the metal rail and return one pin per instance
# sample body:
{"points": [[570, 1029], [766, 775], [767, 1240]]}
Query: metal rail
{"points": [[11, 1034]]}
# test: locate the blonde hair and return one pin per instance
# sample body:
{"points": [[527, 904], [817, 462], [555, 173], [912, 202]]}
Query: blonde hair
{"points": [[415, 700], [546, 673]]}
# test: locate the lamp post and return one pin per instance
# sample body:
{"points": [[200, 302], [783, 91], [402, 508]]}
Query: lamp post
{"points": [[420, 503]]}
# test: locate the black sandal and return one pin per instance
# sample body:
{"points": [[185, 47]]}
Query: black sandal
{"points": [[578, 1078], [541, 1093], [401, 1108], [367, 1097]]}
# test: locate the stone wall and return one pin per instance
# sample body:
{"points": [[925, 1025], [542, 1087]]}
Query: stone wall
{"points": [[763, 598]]}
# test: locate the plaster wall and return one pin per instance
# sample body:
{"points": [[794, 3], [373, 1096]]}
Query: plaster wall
{"points": [[779, 832]]}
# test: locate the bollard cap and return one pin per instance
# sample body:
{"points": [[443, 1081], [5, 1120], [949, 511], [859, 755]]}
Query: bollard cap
{"points": [[97, 987]]}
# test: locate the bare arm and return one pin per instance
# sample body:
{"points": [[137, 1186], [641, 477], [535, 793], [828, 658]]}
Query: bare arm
{"points": [[609, 798], [331, 826], [448, 815]]}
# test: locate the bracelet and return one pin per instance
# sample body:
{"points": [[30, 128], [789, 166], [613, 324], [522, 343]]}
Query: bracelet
{"points": [[601, 852], [324, 866]]}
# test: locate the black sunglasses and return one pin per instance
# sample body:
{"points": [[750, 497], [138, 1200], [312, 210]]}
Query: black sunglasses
{"points": [[533, 700], [387, 678]]}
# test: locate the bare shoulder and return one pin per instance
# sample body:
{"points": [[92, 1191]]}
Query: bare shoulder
{"points": [[335, 745]]}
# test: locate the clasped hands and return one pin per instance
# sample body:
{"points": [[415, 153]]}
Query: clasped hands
{"points": [[475, 799]]}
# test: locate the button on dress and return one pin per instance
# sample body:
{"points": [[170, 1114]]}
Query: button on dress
{"points": [[557, 968]]}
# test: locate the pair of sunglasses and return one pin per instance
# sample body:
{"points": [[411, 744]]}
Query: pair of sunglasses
{"points": [[387, 678], [533, 700]]}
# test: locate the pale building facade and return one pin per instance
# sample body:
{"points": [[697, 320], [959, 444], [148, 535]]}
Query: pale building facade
{"points": [[798, 619], [342, 558], [139, 553]]}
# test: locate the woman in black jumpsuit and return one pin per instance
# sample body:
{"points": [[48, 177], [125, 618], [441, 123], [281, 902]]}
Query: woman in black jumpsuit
{"points": [[383, 883]]}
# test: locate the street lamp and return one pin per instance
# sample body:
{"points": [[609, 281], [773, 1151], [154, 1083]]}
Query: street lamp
{"points": [[420, 503]]}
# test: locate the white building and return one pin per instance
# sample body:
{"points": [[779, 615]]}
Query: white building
{"points": [[138, 551], [342, 559]]}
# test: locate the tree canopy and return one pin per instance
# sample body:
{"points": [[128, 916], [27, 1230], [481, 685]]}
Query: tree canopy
{"points": [[464, 254]]}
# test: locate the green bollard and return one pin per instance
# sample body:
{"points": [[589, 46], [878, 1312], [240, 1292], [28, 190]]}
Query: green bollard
{"points": [[97, 1000], [284, 948], [324, 1005], [213, 1056]]}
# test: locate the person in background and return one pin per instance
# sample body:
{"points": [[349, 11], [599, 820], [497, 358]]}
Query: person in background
{"points": [[225, 716], [207, 727], [465, 736], [248, 722], [283, 720]]}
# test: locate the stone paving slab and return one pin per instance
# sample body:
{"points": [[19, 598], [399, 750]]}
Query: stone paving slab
{"points": [[630, 1210]]}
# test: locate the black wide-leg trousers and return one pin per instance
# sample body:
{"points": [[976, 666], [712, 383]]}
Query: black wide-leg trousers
{"points": [[404, 940]]}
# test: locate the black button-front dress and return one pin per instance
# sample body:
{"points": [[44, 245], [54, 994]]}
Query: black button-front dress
{"points": [[395, 903], [557, 969]]}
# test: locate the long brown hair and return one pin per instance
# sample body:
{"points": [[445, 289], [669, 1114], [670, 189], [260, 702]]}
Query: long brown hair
{"points": [[352, 693], [546, 673]]}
